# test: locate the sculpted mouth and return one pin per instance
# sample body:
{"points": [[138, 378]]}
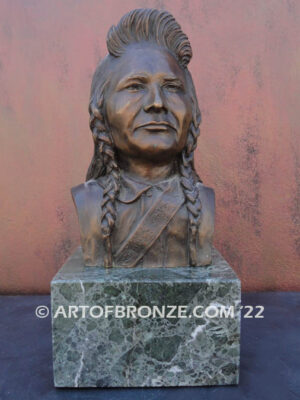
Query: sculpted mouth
{"points": [[157, 126]]}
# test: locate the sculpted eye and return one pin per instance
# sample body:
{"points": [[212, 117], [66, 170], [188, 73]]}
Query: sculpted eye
{"points": [[134, 87], [173, 87]]}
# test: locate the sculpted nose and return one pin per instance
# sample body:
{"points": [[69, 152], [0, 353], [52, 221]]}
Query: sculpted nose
{"points": [[155, 100]]}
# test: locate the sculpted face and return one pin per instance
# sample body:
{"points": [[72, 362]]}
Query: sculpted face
{"points": [[147, 105]]}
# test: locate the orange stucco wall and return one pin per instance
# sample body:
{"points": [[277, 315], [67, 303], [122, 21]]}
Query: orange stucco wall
{"points": [[246, 68]]}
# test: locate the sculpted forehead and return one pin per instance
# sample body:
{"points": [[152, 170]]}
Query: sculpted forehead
{"points": [[145, 59]]}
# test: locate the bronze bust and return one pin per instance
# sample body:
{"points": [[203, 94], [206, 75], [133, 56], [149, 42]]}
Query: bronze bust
{"points": [[143, 204]]}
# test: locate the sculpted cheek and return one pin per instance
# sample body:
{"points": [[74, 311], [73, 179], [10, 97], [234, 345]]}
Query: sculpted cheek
{"points": [[183, 114], [124, 108]]}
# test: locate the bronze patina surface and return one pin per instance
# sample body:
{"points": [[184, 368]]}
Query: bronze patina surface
{"points": [[143, 204]]}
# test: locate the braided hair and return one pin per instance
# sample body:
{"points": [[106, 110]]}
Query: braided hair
{"points": [[161, 28]]}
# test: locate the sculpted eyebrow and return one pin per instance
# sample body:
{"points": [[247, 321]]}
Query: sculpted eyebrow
{"points": [[173, 80]]}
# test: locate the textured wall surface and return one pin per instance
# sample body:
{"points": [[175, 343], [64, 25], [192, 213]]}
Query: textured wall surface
{"points": [[246, 68]]}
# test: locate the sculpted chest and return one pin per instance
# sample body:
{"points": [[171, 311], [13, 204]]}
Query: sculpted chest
{"points": [[151, 227]]}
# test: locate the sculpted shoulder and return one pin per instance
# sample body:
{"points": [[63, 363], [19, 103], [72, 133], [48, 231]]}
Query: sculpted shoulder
{"points": [[206, 232], [87, 194], [207, 196], [87, 198]]}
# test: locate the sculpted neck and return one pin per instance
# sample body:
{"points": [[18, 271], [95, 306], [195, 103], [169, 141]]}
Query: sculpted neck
{"points": [[147, 170]]}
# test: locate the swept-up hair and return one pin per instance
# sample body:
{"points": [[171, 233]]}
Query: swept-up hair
{"points": [[161, 28]]}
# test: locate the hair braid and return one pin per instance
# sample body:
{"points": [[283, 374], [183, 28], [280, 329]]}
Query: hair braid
{"points": [[189, 180], [105, 164]]}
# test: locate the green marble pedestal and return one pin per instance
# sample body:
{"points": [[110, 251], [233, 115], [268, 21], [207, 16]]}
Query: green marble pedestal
{"points": [[185, 331]]}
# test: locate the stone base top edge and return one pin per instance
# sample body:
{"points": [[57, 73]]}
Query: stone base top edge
{"points": [[74, 270]]}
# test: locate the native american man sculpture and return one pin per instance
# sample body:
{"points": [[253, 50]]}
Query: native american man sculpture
{"points": [[143, 204]]}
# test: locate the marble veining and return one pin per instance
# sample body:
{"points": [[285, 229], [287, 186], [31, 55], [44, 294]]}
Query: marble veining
{"points": [[137, 352]]}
